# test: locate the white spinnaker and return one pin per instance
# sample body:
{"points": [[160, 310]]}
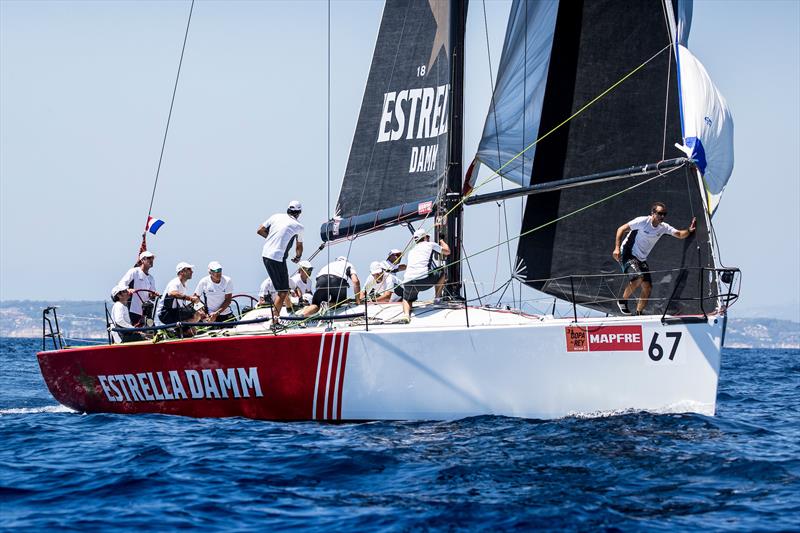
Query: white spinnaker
{"points": [[707, 126]]}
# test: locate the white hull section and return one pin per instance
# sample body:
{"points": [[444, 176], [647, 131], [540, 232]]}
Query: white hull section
{"points": [[519, 365]]}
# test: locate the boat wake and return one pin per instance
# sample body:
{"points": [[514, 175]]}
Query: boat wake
{"points": [[676, 408], [36, 410]]}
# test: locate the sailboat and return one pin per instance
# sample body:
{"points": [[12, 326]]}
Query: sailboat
{"points": [[599, 109]]}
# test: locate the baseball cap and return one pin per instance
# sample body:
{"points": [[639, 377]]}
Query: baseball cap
{"points": [[180, 266], [420, 234], [395, 251], [117, 289], [341, 258], [214, 265], [146, 253], [305, 265], [375, 267], [294, 205]]}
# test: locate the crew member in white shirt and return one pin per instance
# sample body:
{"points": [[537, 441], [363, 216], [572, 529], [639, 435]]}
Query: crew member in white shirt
{"points": [[178, 304], [139, 279], [380, 286], [216, 292], [642, 235], [394, 258], [266, 292], [280, 231], [302, 279], [332, 284], [421, 272], [120, 317]]}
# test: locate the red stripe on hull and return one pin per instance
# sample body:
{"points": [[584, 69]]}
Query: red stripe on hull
{"points": [[263, 377]]}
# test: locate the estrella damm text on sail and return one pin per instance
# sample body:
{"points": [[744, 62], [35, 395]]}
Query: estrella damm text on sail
{"points": [[412, 114]]}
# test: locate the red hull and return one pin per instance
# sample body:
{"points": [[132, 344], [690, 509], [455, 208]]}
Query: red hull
{"points": [[284, 377]]}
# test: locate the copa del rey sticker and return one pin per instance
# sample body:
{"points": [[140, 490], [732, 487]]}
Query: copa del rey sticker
{"points": [[604, 339]]}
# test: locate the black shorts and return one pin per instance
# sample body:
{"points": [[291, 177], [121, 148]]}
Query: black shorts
{"points": [[635, 268], [331, 289], [278, 273], [409, 290], [176, 314]]}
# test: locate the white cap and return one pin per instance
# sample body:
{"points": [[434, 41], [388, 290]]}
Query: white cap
{"points": [[420, 234], [387, 266], [341, 258], [180, 266], [294, 205], [305, 265], [376, 267], [214, 265], [116, 290], [146, 253], [395, 251]]}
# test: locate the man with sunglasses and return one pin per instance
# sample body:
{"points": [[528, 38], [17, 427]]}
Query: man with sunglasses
{"points": [[642, 235]]}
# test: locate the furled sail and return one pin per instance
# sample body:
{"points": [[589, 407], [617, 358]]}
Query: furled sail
{"points": [[570, 232], [708, 126], [398, 159]]}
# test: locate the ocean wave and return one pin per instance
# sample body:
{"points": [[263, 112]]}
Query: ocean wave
{"points": [[36, 410]]}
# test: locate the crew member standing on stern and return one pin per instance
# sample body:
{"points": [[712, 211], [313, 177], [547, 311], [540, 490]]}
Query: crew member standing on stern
{"points": [[643, 234], [280, 231], [139, 279]]}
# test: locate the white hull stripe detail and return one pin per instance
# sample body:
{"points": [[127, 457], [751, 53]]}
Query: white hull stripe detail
{"points": [[328, 377], [316, 381], [337, 415]]}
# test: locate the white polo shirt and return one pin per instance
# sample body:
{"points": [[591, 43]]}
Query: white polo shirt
{"points": [[420, 260], [120, 318], [342, 269], [646, 236], [140, 281], [267, 288], [283, 230], [304, 286], [213, 294]]}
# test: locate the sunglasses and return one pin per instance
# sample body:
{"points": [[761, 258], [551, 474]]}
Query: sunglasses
{"points": [[219, 270], [660, 213]]}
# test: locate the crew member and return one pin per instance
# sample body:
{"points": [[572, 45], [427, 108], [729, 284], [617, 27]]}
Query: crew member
{"points": [[302, 279], [332, 284], [266, 292], [143, 284], [382, 283], [178, 304], [216, 292], [421, 273], [394, 261], [280, 230], [642, 235], [120, 317]]}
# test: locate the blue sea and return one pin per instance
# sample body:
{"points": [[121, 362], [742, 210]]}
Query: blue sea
{"points": [[739, 470]]}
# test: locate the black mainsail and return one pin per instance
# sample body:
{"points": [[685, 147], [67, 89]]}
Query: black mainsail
{"points": [[398, 160], [583, 48]]}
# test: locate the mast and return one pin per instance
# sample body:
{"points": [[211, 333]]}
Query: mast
{"points": [[453, 193]]}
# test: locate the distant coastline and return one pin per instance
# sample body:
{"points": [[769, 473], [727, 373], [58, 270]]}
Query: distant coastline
{"points": [[85, 320]]}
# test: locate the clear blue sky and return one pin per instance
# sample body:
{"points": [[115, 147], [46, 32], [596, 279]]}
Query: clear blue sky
{"points": [[84, 95]]}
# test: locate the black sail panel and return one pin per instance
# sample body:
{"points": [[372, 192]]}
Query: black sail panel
{"points": [[399, 149], [596, 43]]}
